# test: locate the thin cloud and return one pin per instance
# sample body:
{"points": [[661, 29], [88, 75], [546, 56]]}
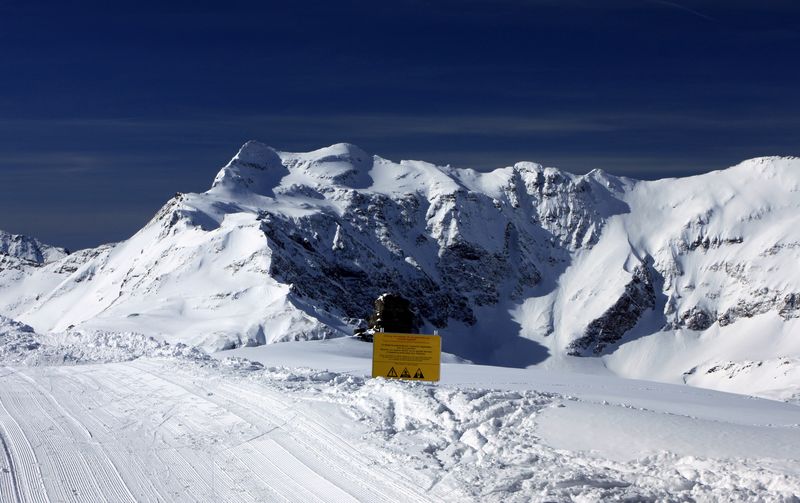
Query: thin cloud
{"points": [[678, 6], [50, 162], [191, 130], [370, 123]]}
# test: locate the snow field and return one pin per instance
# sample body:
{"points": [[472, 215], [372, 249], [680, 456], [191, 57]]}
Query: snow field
{"points": [[169, 423], [486, 445], [136, 432]]}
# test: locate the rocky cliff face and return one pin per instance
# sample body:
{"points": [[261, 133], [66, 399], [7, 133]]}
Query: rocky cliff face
{"points": [[637, 297], [298, 245]]}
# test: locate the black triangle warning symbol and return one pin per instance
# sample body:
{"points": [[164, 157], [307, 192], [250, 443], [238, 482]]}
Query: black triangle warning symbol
{"points": [[418, 374], [391, 373], [405, 373]]}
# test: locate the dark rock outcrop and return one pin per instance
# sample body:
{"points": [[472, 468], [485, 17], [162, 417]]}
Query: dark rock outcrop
{"points": [[639, 296], [790, 307], [696, 318], [393, 313]]}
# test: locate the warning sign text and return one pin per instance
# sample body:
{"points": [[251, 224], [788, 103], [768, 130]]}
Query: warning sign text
{"points": [[406, 356]]}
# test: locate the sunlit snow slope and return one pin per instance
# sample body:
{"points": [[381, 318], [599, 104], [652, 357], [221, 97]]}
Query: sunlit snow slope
{"points": [[121, 417], [683, 280]]}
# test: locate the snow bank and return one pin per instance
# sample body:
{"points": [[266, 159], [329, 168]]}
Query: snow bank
{"points": [[21, 345], [427, 442]]}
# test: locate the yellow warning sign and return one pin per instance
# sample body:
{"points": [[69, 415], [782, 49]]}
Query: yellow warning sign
{"points": [[406, 356]]}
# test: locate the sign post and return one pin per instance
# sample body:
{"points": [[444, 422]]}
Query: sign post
{"points": [[413, 357]]}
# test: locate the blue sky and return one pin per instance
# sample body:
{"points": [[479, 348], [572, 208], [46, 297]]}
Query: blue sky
{"points": [[107, 109]]}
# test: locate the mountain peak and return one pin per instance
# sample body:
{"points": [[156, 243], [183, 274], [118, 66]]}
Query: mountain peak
{"points": [[29, 249], [256, 153], [342, 153], [256, 167], [343, 150]]}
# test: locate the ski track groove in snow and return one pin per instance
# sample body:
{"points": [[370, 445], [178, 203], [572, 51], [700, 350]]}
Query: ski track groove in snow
{"points": [[111, 478], [283, 483], [289, 485], [88, 469], [26, 464], [313, 435], [270, 480], [8, 482], [51, 447], [106, 427], [57, 446], [17, 437], [309, 435], [173, 460], [143, 476]]}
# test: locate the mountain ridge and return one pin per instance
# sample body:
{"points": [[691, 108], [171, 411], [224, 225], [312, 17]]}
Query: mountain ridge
{"points": [[28, 249], [521, 265]]}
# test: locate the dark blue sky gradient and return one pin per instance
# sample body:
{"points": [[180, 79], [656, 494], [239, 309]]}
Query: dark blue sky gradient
{"points": [[107, 109]]}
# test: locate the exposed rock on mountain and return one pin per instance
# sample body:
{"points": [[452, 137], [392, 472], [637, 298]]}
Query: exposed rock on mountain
{"points": [[609, 328]]}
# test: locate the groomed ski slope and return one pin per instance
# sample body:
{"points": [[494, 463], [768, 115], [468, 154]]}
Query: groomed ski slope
{"points": [[147, 431], [309, 425]]}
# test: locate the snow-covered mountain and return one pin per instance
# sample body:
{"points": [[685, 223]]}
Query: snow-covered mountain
{"points": [[27, 250], [683, 280]]}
